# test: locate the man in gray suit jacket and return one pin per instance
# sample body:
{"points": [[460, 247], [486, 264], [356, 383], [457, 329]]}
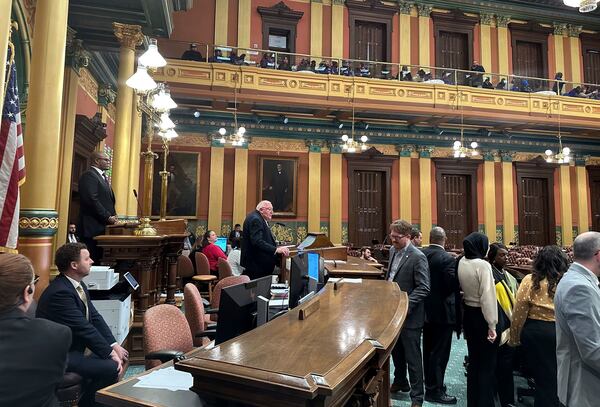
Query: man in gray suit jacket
{"points": [[408, 268], [577, 310]]}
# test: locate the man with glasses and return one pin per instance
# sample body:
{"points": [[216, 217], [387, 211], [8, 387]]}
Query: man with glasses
{"points": [[34, 351], [97, 203], [259, 249], [408, 268]]}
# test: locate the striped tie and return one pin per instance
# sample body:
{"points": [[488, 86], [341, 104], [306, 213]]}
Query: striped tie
{"points": [[84, 299]]}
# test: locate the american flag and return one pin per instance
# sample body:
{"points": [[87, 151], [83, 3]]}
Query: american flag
{"points": [[12, 161]]}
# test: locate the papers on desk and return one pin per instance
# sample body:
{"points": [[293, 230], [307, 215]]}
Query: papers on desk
{"points": [[346, 280], [167, 379], [335, 261]]}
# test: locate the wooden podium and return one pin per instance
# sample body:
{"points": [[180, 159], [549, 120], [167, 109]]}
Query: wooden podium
{"points": [[338, 355], [152, 260]]}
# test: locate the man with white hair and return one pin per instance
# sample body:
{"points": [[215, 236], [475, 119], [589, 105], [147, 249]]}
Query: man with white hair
{"points": [[259, 249], [577, 311]]}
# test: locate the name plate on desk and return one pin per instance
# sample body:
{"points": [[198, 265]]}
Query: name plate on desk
{"points": [[315, 361]]}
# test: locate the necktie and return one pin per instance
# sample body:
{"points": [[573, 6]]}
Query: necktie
{"points": [[105, 178], [394, 265], [84, 299]]}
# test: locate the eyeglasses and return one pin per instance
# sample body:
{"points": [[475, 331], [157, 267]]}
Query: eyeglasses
{"points": [[397, 237], [35, 279]]}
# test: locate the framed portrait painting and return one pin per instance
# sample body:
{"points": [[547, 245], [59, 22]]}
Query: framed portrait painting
{"points": [[278, 183], [182, 184]]}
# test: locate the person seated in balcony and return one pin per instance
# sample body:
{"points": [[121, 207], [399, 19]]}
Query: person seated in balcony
{"points": [[345, 69], [235, 59], [267, 61], [525, 87], [363, 70], [303, 65], [423, 76], [192, 54], [313, 66], [476, 78], [335, 69], [575, 92], [559, 84], [405, 74], [322, 68], [217, 56], [284, 64], [487, 84], [385, 72], [502, 84], [448, 78]]}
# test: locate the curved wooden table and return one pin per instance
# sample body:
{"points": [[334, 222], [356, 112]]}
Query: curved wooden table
{"points": [[339, 352]]}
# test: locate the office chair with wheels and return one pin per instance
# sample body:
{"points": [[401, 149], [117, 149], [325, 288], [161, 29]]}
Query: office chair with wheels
{"points": [[185, 271], [224, 269], [216, 298], [202, 329]]}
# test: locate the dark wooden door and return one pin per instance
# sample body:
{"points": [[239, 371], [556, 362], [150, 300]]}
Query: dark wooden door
{"points": [[594, 179], [453, 50], [533, 212], [591, 65], [370, 44], [456, 182], [368, 216], [528, 61], [454, 213]]}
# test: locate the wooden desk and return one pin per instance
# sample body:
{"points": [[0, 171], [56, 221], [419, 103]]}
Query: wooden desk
{"points": [[355, 267], [337, 354]]}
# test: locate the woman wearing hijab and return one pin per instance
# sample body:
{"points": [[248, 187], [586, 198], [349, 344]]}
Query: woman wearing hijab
{"points": [[480, 319]]}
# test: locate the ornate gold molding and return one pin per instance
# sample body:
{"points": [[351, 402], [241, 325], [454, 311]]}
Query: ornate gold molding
{"points": [[129, 36], [89, 84], [502, 21]]}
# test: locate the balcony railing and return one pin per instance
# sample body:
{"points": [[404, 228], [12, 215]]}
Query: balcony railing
{"points": [[307, 64]]}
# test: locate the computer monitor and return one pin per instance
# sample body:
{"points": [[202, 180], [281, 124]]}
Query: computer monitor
{"points": [[237, 308], [305, 276], [222, 243]]}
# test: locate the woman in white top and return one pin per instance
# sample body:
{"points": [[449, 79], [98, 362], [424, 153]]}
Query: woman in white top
{"points": [[480, 319]]}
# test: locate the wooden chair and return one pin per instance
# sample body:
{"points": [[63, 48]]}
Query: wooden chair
{"points": [[224, 269], [203, 273]]}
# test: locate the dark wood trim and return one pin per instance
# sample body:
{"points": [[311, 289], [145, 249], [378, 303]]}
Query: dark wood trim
{"points": [[537, 168], [372, 11], [455, 166], [593, 177], [279, 17], [455, 21], [588, 42], [370, 160], [531, 32]]}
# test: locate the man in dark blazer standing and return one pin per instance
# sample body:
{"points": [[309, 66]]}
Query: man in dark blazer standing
{"points": [[34, 351], [67, 301], [259, 249], [408, 268], [97, 203], [440, 316]]}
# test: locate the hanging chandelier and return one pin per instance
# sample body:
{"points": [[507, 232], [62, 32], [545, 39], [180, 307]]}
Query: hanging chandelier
{"points": [[563, 156], [236, 139], [585, 6], [350, 144], [461, 150]]}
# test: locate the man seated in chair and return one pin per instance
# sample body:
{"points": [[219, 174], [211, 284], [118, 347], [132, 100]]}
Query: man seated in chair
{"points": [[94, 354]]}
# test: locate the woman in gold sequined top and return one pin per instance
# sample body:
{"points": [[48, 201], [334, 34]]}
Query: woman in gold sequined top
{"points": [[533, 322]]}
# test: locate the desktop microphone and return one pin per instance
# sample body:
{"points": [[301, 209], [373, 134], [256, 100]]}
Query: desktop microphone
{"points": [[139, 207], [280, 224]]}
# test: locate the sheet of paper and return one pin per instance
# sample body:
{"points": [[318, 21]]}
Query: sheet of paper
{"points": [[335, 261], [346, 280], [167, 379]]}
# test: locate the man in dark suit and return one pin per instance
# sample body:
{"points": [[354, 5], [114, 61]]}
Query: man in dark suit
{"points": [[259, 249], [97, 203], [235, 236], [408, 268], [72, 234], [34, 351], [440, 316], [66, 301]]}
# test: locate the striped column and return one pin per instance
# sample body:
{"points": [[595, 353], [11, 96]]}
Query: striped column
{"points": [[503, 60], [582, 196], [425, 191], [508, 208], [489, 196], [316, 28], [337, 28], [424, 11], [559, 49], [244, 18], [215, 189], [566, 215], [240, 184], [404, 42], [575, 57], [485, 21], [221, 23], [335, 194], [405, 183], [314, 187]]}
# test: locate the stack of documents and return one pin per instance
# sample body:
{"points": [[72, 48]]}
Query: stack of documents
{"points": [[166, 379]]}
